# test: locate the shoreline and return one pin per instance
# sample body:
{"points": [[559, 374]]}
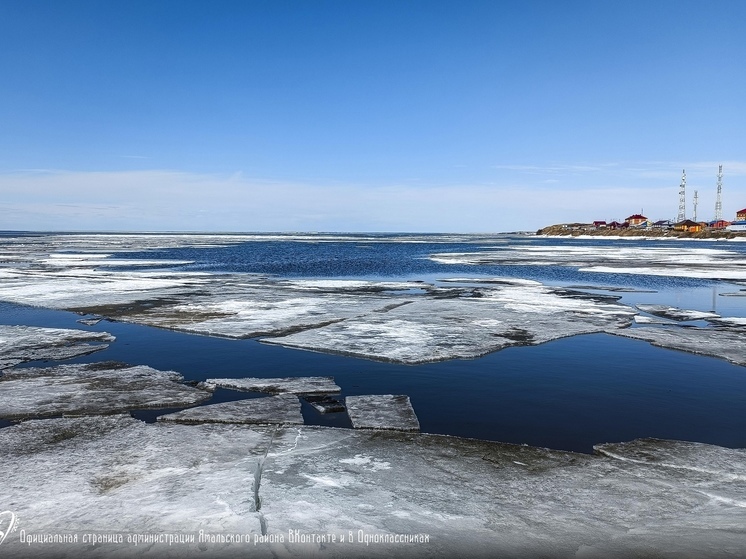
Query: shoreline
{"points": [[574, 230]]}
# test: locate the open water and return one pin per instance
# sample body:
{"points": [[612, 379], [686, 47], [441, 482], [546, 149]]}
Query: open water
{"points": [[568, 394]]}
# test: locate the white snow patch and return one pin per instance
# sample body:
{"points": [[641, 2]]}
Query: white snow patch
{"points": [[361, 460]]}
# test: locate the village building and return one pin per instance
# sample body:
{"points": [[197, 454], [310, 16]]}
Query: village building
{"points": [[599, 224], [741, 215], [688, 226], [637, 219], [718, 224], [662, 224]]}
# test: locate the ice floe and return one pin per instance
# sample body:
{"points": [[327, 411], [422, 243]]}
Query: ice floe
{"points": [[398, 321], [390, 494], [90, 321], [641, 319], [87, 260], [19, 344], [118, 476], [723, 343], [612, 288], [487, 500], [382, 411], [435, 329], [675, 313], [280, 385], [95, 388], [682, 261], [325, 404], [732, 321], [283, 409], [499, 281]]}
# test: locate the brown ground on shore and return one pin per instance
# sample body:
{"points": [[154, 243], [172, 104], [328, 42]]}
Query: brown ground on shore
{"points": [[565, 229]]}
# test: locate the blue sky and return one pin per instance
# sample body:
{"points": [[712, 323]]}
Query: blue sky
{"points": [[366, 115]]}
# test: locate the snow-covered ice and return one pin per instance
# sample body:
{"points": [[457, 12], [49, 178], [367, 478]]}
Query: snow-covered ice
{"points": [[675, 313], [436, 329], [279, 385], [118, 475], [681, 261], [397, 321], [382, 411], [282, 409], [472, 499], [19, 344], [94, 388]]}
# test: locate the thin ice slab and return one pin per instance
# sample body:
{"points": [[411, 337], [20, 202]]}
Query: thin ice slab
{"points": [[675, 313], [280, 385], [90, 389], [19, 344], [383, 411], [90, 321], [283, 410], [728, 344], [691, 457], [325, 404]]}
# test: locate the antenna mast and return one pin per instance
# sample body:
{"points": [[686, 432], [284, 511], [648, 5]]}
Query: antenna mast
{"points": [[695, 205], [718, 200], [682, 198]]}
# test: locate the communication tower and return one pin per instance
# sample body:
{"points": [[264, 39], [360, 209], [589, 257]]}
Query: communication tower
{"points": [[682, 198], [695, 205], [718, 200]]}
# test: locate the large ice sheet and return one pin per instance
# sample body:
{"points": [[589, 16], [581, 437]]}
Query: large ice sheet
{"points": [[278, 385], [115, 475], [95, 388], [260, 312], [472, 499], [283, 409], [19, 344], [479, 499], [382, 411], [436, 329]]}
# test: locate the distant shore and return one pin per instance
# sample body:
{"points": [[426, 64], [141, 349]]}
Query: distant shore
{"points": [[577, 230]]}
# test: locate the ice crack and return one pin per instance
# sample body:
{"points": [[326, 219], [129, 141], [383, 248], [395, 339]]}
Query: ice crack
{"points": [[258, 482]]}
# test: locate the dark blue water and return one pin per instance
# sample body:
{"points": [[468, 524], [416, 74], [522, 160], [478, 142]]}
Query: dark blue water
{"points": [[372, 259], [568, 394]]}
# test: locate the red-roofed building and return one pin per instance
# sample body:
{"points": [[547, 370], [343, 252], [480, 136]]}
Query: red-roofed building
{"points": [[741, 215], [719, 224], [599, 224], [636, 219]]}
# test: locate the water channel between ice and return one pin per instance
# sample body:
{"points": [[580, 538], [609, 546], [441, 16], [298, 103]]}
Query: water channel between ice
{"points": [[569, 393]]}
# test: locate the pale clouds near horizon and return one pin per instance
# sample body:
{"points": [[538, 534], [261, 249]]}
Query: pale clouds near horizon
{"points": [[162, 200]]}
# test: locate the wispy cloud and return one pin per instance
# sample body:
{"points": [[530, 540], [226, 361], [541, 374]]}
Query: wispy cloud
{"points": [[172, 200], [557, 168]]}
